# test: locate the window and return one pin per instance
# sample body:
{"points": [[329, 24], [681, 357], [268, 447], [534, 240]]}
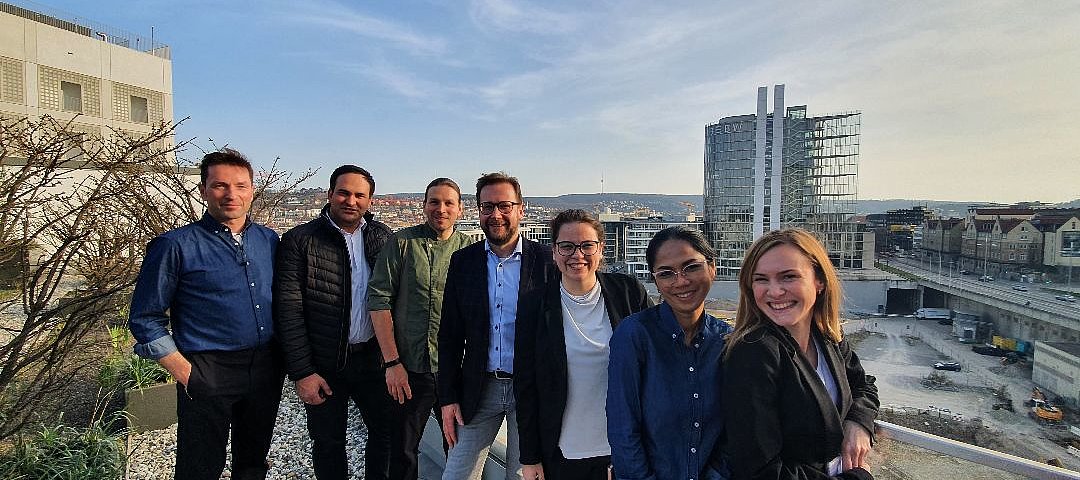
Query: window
{"points": [[139, 112], [72, 96]]}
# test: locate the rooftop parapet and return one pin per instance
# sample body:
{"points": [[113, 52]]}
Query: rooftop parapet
{"points": [[72, 23]]}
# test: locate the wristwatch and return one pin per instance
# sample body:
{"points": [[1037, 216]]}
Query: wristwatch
{"points": [[391, 363]]}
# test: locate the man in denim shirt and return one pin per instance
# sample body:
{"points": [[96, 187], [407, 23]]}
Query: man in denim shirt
{"points": [[210, 282]]}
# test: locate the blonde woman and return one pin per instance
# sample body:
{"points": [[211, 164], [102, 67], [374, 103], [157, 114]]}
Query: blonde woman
{"points": [[797, 403]]}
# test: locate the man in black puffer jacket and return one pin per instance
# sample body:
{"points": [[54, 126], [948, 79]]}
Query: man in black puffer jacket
{"points": [[321, 319]]}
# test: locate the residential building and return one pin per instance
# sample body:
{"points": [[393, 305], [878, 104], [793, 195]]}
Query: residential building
{"points": [[1060, 230], [941, 242], [772, 170]]}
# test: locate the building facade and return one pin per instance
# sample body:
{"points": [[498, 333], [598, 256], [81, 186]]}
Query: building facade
{"points": [[772, 170], [627, 238], [99, 80]]}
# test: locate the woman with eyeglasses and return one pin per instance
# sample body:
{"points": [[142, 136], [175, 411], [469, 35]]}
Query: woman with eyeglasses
{"points": [[797, 402], [663, 404], [561, 356]]}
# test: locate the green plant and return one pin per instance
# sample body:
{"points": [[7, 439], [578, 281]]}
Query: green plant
{"points": [[123, 370], [62, 452]]}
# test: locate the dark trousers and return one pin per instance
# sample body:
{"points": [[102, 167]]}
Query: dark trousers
{"points": [[240, 390], [561, 468], [408, 421], [362, 380]]}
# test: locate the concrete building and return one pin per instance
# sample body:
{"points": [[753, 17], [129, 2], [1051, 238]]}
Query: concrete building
{"points": [[1057, 369], [627, 238], [101, 79], [771, 170], [941, 242]]}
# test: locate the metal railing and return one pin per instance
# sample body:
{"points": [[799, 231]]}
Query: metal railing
{"points": [[73, 23], [974, 454], [496, 463]]}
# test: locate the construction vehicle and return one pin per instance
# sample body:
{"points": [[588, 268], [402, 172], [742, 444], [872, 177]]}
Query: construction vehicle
{"points": [[1046, 413], [1041, 410]]}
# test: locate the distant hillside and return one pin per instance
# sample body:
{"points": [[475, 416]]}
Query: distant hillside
{"points": [[673, 204], [589, 201]]}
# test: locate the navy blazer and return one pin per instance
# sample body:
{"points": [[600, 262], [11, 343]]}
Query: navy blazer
{"points": [[540, 372], [780, 422], [465, 329]]}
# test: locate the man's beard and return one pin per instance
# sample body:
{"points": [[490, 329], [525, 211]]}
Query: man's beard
{"points": [[501, 239]]}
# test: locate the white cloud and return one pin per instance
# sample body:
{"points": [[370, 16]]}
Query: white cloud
{"points": [[522, 17], [341, 17]]}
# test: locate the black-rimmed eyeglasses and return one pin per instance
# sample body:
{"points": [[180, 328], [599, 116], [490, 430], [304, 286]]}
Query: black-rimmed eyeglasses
{"points": [[587, 248], [668, 275], [487, 208]]}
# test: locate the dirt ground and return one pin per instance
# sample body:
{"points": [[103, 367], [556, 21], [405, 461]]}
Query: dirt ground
{"points": [[899, 351]]}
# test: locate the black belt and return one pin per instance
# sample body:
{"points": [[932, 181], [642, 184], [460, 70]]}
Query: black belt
{"points": [[500, 375], [359, 347]]}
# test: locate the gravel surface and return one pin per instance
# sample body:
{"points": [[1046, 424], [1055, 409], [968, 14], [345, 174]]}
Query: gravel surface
{"points": [[153, 453]]}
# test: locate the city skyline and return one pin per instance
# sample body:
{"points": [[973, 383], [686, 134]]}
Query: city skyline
{"points": [[562, 94]]}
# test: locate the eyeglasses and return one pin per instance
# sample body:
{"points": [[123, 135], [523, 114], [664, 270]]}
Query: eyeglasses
{"points": [[487, 208], [587, 248], [668, 275]]}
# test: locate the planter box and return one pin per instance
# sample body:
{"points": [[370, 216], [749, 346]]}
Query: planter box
{"points": [[151, 408]]}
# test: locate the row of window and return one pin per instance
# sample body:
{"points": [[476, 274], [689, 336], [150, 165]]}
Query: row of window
{"points": [[74, 92]]}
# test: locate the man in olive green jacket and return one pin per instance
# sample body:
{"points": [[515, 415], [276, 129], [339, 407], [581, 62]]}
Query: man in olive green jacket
{"points": [[405, 297]]}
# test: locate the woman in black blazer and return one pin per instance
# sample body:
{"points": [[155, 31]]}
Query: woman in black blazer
{"points": [[561, 352], [797, 402]]}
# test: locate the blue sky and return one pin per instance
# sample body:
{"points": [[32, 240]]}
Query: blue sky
{"points": [[960, 100]]}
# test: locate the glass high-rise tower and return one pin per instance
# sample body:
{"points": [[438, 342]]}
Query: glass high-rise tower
{"points": [[771, 170]]}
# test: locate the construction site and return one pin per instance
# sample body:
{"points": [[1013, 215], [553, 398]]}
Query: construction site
{"points": [[989, 401]]}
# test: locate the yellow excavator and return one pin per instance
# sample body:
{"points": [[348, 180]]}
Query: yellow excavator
{"points": [[1042, 411]]}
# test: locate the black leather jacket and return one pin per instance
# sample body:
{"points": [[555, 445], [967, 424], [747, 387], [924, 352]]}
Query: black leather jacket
{"points": [[312, 300]]}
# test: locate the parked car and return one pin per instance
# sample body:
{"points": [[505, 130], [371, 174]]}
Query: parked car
{"points": [[965, 272], [986, 278], [1066, 298], [950, 366], [1020, 288]]}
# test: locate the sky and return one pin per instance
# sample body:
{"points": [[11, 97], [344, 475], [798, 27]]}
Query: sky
{"points": [[962, 101]]}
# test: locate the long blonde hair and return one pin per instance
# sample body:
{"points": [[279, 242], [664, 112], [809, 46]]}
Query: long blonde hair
{"points": [[826, 312]]}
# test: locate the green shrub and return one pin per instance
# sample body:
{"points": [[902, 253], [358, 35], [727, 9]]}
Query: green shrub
{"points": [[62, 452], [122, 370]]}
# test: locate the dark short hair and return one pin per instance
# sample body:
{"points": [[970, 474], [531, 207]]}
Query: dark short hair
{"points": [[679, 232], [344, 169], [443, 181], [225, 156], [575, 216], [497, 177]]}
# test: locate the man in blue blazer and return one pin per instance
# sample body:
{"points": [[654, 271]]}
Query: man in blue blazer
{"points": [[484, 287]]}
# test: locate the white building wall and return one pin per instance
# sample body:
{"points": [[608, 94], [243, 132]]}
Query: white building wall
{"points": [[47, 52], [1057, 371]]}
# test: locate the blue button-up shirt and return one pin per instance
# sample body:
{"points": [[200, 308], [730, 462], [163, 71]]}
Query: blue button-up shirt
{"points": [[663, 405], [211, 289], [504, 278]]}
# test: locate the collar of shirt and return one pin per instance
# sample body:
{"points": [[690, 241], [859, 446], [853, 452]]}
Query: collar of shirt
{"points": [[517, 249], [210, 223], [709, 325], [363, 223]]}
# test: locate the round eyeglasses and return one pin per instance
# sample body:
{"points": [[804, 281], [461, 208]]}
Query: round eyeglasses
{"points": [[587, 248], [667, 276]]}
